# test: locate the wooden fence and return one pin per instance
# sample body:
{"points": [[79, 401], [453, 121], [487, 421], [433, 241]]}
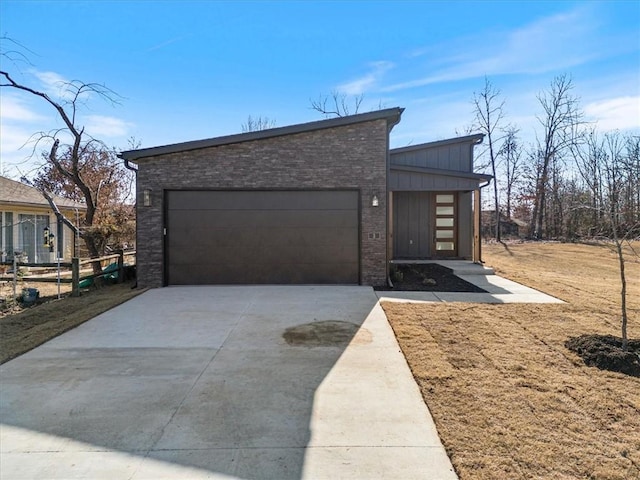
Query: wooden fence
{"points": [[75, 268]]}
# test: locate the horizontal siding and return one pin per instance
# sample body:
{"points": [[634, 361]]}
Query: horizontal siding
{"points": [[414, 181]]}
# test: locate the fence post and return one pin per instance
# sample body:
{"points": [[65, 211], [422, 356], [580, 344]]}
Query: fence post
{"points": [[75, 277], [120, 266], [15, 275]]}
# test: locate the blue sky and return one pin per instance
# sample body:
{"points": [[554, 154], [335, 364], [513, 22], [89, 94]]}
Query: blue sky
{"points": [[197, 69]]}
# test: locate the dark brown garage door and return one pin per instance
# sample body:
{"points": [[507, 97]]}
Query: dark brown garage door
{"points": [[253, 237]]}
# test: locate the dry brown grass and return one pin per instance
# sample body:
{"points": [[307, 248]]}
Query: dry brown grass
{"points": [[30, 327], [509, 400]]}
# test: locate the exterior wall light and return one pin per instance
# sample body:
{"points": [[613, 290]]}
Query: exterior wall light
{"points": [[374, 201], [146, 197]]}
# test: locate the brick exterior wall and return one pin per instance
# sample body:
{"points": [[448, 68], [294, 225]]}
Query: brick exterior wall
{"points": [[346, 157]]}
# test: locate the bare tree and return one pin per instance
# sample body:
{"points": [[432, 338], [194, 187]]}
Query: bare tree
{"points": [[258, 123], [632, 190], [337, 104], [589, 159], [615, 177], [511, 154], [561, 122], [70, 147], [489, 111]]}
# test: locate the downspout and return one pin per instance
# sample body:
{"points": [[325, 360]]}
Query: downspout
{"points": [[477, 221], [134, 169], [386, 196]]}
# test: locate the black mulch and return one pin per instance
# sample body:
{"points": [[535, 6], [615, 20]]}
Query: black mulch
{"points": [[427, 277], [606, 353]]}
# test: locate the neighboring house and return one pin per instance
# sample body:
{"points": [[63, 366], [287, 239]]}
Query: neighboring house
{"points": [[24, 215], [509, 227], [320, 202]]}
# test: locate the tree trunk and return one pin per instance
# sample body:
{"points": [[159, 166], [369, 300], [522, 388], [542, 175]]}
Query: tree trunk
{"points": [[90, 243], [495, 196], [539, 209], [623, 290]]}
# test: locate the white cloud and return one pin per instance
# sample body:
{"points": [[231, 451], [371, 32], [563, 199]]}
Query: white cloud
{"points": [[104, 126], [13, 108], [165, 43], [620, 113], [53, 83], [556, 42], [14, 139], [366, 82], [17, 154]]}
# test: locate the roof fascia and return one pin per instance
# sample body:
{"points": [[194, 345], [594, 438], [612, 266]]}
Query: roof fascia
{"points": [[392, 115], [438, 171], [42, 206], [474, 139]]}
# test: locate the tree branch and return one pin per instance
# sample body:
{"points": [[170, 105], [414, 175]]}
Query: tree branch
{"points": [[59, 215]]}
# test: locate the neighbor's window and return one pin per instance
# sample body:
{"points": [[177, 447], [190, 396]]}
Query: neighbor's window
{"points": [[6, 233], [30, 237]]}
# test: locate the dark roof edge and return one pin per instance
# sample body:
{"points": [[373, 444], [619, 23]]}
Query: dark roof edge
{"points": [[45, 204], [475, 139], [61, 202], [438, 171], [392, 115]]}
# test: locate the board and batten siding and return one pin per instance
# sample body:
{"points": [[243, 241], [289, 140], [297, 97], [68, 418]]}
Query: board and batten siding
{"points": [[450, 156], [442, 166], [447, 162]]}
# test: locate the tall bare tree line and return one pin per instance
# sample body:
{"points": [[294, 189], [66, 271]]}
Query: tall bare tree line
{"points": [[566, 184]]}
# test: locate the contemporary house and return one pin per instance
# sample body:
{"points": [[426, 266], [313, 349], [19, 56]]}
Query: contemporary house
{"points": [[324, 202], [24, 216]]}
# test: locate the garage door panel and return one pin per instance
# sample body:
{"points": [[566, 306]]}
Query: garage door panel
{"points": [[260, 200], [262, 237], [212, 238], [198, 274], [265, 256], [258, 218]]}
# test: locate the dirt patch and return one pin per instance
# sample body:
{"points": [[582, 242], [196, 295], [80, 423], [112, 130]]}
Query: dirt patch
{"points": [[508, 398], [428, 277], [327, 333], [46, 292], [606, 353], [27, 327]]}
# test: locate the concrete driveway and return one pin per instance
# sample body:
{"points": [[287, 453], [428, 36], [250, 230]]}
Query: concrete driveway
{"points": [[221, 382]]}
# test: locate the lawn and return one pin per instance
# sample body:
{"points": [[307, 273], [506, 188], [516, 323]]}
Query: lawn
{"points": [[22, 329], [509, 400]]}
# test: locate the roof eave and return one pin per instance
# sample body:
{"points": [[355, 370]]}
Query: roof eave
{"points": [[44, 206], [392, 115], [437, 171], [473, 139]]}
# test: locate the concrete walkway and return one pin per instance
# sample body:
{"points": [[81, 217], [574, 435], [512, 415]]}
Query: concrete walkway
{"points": [[499, 289], [199, 382]]}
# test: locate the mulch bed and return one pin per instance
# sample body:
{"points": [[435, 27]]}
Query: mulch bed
{"points": [[428, 277], [606, 353]]}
